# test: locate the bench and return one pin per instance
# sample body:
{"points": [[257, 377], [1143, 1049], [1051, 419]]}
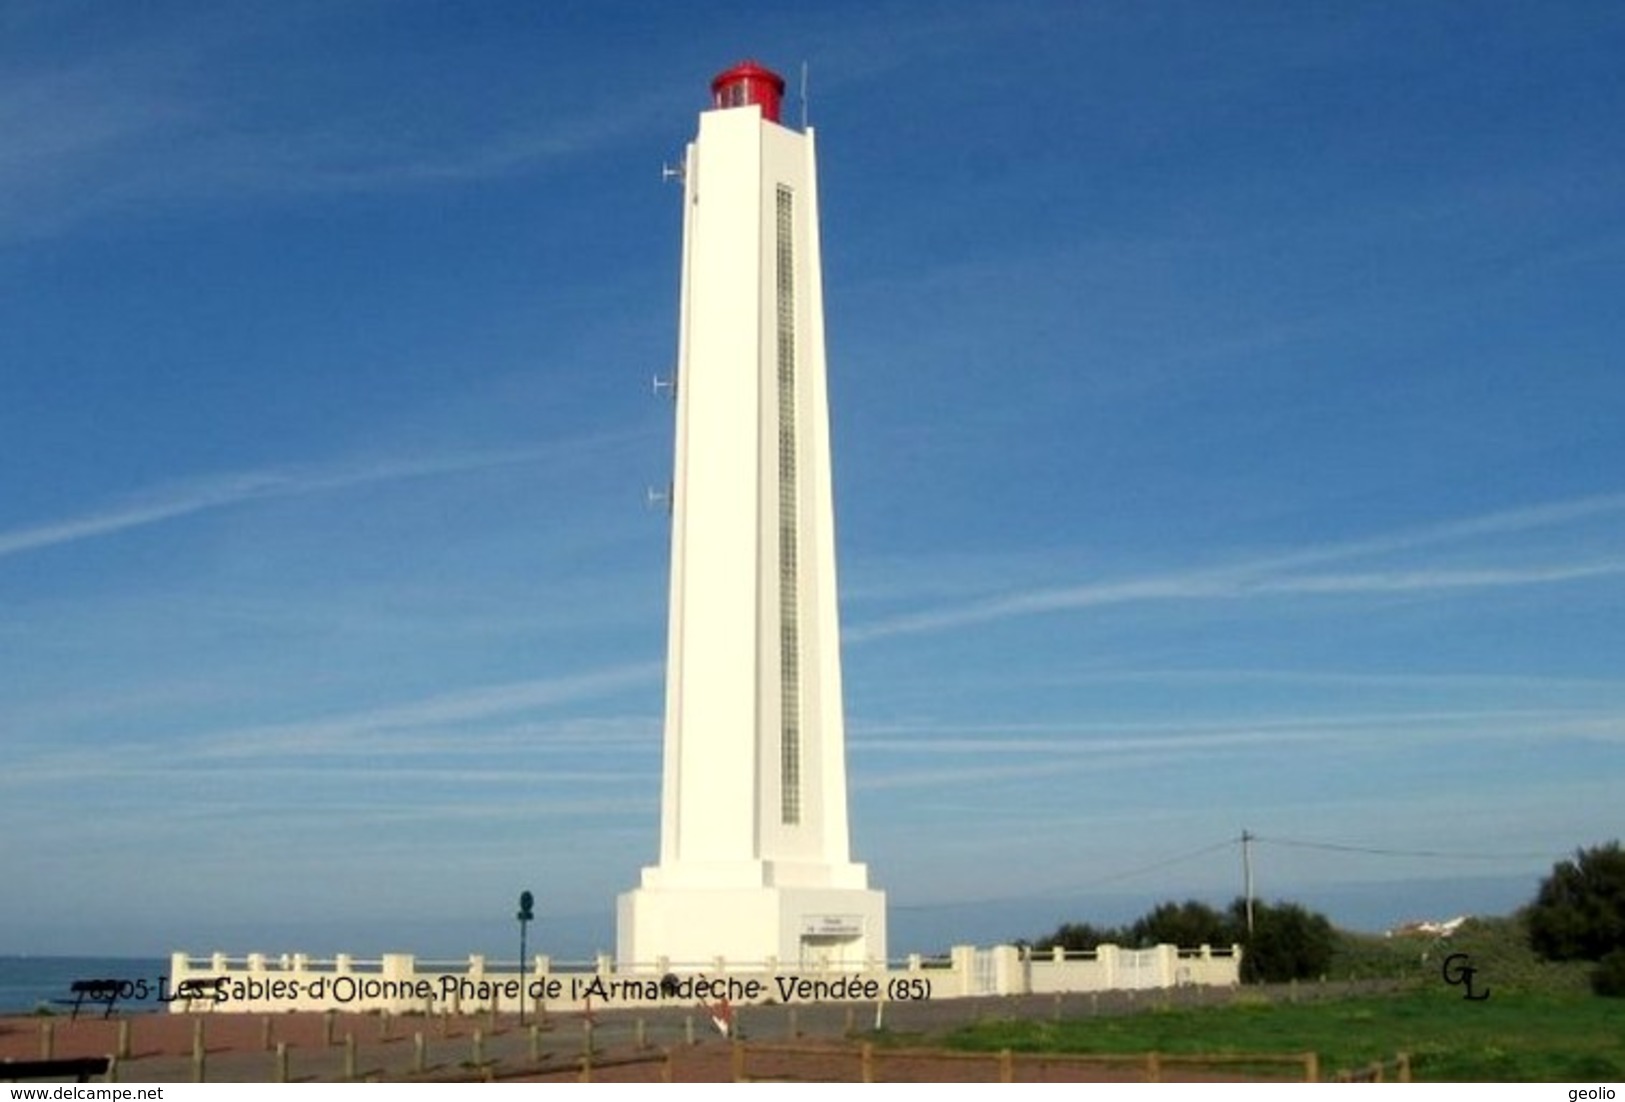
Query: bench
{"points": [[105, 992], [81, 1068], [209, 987]]}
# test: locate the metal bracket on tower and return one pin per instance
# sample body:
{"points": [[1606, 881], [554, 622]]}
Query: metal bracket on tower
{"points": [[678, 171], [668, 384], [653, 497]]}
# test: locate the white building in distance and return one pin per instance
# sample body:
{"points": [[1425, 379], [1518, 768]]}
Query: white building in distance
{"points": [[755, 862]]}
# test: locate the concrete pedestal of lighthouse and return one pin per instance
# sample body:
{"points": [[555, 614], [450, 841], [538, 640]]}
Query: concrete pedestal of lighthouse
{"points": [[687, 929]]}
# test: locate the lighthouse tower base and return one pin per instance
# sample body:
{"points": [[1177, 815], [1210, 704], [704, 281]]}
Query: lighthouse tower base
{"points": [[695, 929]]}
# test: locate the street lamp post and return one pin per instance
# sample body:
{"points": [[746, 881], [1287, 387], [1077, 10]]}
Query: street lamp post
{"points": [[526, 915]]}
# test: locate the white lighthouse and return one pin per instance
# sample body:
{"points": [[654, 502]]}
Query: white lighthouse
{"points": [[755, 862]]}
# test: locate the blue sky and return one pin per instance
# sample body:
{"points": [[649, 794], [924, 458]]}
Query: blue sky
{"points": [[1226, 402]]}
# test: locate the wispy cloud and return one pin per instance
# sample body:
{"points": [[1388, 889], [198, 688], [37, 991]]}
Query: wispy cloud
{"points": [[1501, 522], [434, 737], [941, 762], [1478, 683], [1411, 580], [1275, 575], [1099, 740], [455, 708], [155, 122], [174, 500]]}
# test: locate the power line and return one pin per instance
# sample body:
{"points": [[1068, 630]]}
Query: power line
{"points": [[1243, 840], [1338, 847], [1141, 871], [1063, 893]]}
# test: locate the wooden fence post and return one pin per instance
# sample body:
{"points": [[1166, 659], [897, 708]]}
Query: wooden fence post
{"points": [[1311, 1067], [739, 1062], [417, 1053], [199, 1048], [123, 1049], [866, 1062], [47, 1040], [1402, 1067], [1153, 1068], [1007, 1066], [280, 1074], [477, 1049], [349, 1057]]}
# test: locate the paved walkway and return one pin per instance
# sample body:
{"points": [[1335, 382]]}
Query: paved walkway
{"points": [[243, 1047]]}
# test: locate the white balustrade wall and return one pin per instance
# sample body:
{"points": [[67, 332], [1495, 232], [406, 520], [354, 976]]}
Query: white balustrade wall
{"points": [[400, 983]]}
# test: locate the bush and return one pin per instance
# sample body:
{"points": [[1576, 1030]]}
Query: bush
{"points": [[1187, 924], [1609, 977], [1289, 942], [1077, 937], [1358, 956], [1579, 913]]}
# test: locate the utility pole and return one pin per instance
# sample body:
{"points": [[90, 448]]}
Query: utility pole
{"points": [[1247, 876]]}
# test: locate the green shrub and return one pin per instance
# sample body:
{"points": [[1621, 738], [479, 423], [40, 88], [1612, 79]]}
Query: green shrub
{"points": [[1288, 942], [1608, 978], [1579, 913]]}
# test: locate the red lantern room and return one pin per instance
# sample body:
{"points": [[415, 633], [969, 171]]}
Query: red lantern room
{"points": [[746, 83]]}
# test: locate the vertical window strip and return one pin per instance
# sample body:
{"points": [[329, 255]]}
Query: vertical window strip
{"points": [[789, 625]]}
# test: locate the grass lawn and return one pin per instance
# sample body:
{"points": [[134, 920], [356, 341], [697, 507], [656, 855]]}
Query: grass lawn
{"points": [[1512, 1036]]}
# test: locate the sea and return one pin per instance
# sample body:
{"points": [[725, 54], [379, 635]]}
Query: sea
{"points": [[30, 984]]}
